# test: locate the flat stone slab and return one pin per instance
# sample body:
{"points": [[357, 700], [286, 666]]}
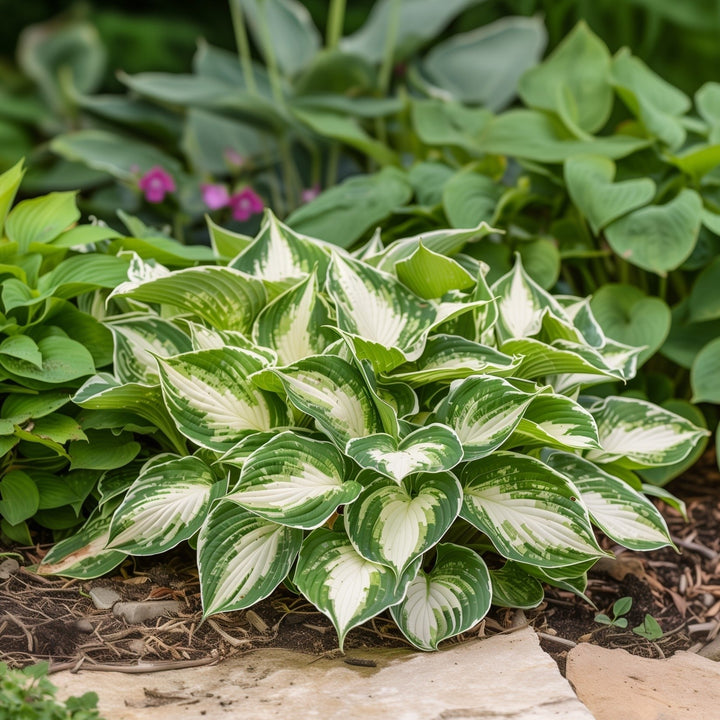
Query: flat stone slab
{"points": [[506, 676], [616, 685]]}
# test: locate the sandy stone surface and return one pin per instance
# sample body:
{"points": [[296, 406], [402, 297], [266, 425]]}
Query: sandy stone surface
{"points": [[615, 685], [506, 676]]}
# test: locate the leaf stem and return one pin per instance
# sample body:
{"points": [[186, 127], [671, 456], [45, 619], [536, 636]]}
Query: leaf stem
{"points": [[336, 22], [385, 71], [243, 45]]}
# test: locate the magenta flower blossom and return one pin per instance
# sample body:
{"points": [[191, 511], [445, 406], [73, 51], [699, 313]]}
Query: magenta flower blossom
{"points": [[246, 203], [156, 183], [215, 196], [310, 193]]}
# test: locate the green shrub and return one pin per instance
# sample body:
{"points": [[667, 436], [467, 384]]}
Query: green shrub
{"points": [[450, 422]]}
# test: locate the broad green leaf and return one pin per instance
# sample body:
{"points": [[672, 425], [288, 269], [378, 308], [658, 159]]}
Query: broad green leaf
{"points": [[431, 448], [82, 273], [294, 481], [558, 420], [590, 184], [483, 411], [242, 558], [641, 434], [442, 122], [292, 324], [686, 338], [20, 497], [705, 374], [541, 260], [164, 506], [139, 340], [341, 583], [84, 555], [470, 198], [450, 357], [41, 219], [342, 214], [22, 347], [213, 401], [574, 81], [9, 184], [394, 524], [658, 238], [531, 513], [57, 427], [430, 275], [453, 597], [225, 298], [21, 407], [63, 360], [626, 314], [704, 296], [163, 250], [102, 450], [335, 393], [226, 243], [279, 254], [483, 67], [513, 587], [623, 514], [698, 160]]}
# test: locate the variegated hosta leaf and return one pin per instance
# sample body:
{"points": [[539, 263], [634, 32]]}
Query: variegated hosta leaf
{"points": [[521, 304], [486, 316], [204, 338], [540, 359], [212, 399], [292, 324], [431, 448], [295, 481], [376, 307], [85, 554], [386, 410], [400, 397], [483, 411], [432, 275], [279, 254], [558, 420], [335, 393], [226, 299], [623, 514], [581, 315], [242, 558], [450, 357], [393, 524], [573, 578], [238, 454], [450, 599], [513, 587], [530, 512], [341, 583], [138, 340], [641, 434], [102, 392], [165, 505]]}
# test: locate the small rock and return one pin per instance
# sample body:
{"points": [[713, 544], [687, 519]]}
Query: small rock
{"points": [[712, 650], [137, 612], [137, 646], [83, 625], [8, 567], [104, 598]]}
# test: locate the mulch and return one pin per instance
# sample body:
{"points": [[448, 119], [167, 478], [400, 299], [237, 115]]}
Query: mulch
{"points": [[55, 620]]}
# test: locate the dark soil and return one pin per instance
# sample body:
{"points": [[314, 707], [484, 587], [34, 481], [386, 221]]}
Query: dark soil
{"points": [[55, 620]]}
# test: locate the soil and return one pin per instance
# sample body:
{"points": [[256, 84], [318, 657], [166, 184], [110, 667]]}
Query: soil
{"points": [[55, 620]]}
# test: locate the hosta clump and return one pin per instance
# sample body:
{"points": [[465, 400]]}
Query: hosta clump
{"points": [[383, 429]]}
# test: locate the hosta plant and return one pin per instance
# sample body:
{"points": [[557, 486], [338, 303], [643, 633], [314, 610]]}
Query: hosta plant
{"points": [[381, 430]]}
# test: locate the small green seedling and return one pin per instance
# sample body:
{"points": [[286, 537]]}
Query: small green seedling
{"points": [[620, 607], [650, 628]]}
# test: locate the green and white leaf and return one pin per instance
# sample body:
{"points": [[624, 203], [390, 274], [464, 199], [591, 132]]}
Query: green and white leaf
{"points": [[205, 338], [640, 434], [242, 558], [335, 393], [341, 583], [431, 275], [512, 587], [165, 505], [623, 514], [530, 512], [431, 448], [394, 524], [483, 411], [213, 401], [450, 599], [295, 481]]}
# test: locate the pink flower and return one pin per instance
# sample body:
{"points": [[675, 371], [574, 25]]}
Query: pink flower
{"points": [[233, 158], [156, 183], [310, 193], [215, 196], [245, 203]]}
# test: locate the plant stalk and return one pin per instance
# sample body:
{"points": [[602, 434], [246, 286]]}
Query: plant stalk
{"points": [[336, 22], [243, 45]]}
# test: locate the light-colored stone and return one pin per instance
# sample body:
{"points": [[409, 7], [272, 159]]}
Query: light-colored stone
{"points": [[712, 650], [506, 676], [104, 598], [137, 612], [615, 685], [8, 567]]}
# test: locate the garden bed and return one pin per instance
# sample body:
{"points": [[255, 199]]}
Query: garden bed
{"points": [[55, 619]]}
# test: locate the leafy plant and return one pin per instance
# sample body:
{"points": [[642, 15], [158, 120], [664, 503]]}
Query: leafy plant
{"points": [[380, 430], [649, 629], [28, 694]]}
